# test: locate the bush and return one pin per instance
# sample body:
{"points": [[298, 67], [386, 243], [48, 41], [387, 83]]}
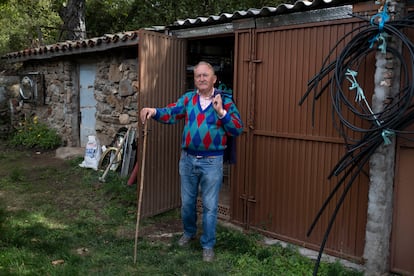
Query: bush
{"points": [[34, 134]]}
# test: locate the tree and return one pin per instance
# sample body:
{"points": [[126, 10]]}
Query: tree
{"points": [[110, 16], [72, 14], [26, 23]]}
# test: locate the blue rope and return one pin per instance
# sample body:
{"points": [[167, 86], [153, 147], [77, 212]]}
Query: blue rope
{"points": [[355, 85], [382, 42], [381, 37], [383, 17], [386, 134], [360, 96]]}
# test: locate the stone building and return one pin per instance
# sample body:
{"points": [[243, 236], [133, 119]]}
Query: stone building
{"points": [[81, 88]]}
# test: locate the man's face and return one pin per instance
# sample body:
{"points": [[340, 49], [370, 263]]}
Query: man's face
{"points": [[204, 79]]}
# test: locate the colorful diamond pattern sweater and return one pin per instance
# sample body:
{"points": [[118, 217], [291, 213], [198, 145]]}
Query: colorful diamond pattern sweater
{"points": [[204, 133]]}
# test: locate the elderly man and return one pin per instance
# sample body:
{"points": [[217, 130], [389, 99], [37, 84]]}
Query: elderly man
{"points": [[210, 118]]}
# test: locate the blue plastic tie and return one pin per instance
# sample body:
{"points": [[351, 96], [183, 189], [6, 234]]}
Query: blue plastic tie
{"points": [[354, 85], [373, 40], [382, 42], [359, 96], [386, 134], [383, 46], [381, 37]]}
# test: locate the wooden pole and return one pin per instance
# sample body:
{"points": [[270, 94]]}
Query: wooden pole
{"points": [[141, 186]]}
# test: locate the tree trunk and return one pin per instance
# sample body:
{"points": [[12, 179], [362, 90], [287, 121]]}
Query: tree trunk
{"points": [[73, 16]]}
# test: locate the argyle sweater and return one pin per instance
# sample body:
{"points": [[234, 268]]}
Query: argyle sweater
{"points": [[204, 133]]}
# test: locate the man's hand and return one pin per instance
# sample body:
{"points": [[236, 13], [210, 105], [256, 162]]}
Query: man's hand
{"points": [[218, 106], [147, 113]]}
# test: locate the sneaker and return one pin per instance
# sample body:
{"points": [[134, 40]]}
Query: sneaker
{"points": [[184, 240], [208, 254]]}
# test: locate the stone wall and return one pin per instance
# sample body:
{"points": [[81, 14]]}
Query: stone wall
{"points": [[59, 110], [8, 89], [116, 88], [115, 91]]}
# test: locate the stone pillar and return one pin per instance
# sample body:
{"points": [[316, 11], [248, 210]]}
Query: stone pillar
{"points": [[380, 196]]}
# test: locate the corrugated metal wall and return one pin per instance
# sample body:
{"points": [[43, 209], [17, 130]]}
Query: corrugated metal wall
{"points": [[402, 241], [402, 238], [280, 181], [162, 80]]}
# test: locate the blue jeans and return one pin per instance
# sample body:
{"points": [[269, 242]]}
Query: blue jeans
{"points": [[206, 173]]}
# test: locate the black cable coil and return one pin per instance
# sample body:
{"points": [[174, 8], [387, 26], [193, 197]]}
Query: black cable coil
{"points": [[396, 116]]}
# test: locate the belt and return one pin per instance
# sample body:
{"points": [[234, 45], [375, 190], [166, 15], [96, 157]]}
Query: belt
{"points": [[199, 156]]}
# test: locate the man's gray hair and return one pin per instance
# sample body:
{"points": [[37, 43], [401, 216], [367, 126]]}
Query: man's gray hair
{"points": [[207, 64]]}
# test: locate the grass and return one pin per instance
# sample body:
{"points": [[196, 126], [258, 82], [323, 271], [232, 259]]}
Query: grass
{"points": [[57, 219]]}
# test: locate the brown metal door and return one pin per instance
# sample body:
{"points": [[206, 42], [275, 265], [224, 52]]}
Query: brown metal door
{"points": [[402, 239], [161, 81], [281, 175], [243, 86], [402, 235]]}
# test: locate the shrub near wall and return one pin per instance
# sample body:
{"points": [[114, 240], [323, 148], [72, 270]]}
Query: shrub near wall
{"points": [[33, 134]]}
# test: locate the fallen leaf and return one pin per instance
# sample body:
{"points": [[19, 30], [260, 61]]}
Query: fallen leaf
{"points": [[58, 262]]}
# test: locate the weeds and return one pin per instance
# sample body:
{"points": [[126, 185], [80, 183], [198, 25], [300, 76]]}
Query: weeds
{"points": [[16, 175], [59, 220], [35, 134]]}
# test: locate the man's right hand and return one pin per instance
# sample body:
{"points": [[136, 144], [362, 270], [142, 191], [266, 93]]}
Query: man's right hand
{"points": [[147, 113]]}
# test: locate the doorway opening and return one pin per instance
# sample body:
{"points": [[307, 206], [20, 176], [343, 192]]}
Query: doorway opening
{"points": [[219, 52]]}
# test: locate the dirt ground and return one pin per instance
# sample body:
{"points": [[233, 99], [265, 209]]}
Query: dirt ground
{"points": [[39, 166]]}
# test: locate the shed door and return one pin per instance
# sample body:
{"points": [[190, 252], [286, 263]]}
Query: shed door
{"points": [[402, 239], [87, 73], [162, 62], [283, 162]]}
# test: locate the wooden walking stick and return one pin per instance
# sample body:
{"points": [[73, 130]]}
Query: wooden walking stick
{"points": [[141, 186]]}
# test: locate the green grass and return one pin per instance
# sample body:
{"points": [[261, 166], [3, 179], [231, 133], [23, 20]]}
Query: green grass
{"points": [[59, 220]]}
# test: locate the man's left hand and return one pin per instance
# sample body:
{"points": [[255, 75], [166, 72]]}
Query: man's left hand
{"points": [[218, 106]]}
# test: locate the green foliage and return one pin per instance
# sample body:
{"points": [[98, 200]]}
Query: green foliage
{"points": [[27, 23], [34, 134], [129, 15], [337, 269], [235, 241]]}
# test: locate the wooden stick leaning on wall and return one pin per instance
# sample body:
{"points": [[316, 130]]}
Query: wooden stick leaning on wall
{"points": [[141, 188]]}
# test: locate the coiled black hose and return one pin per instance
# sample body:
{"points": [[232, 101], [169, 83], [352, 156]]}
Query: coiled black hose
{"points": [[374, 128]]}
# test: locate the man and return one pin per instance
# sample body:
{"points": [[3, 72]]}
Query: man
{"points": [[209, 119]]}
